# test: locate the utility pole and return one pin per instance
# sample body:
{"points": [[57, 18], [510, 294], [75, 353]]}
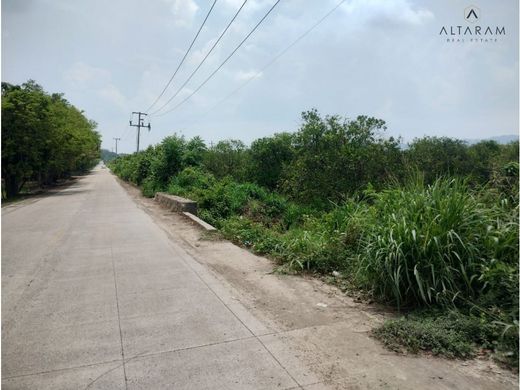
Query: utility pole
{"points": [[117, 139], [140, 123]]}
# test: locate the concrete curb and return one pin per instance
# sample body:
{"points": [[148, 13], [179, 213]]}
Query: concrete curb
{"points": [[185, 206], [206, 226]]}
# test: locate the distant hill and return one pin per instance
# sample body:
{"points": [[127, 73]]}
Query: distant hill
{"points": [[107, 155], [501, 139]]}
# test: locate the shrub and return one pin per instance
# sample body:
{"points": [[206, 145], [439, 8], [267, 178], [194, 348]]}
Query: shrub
{"points": [[149, 187]]}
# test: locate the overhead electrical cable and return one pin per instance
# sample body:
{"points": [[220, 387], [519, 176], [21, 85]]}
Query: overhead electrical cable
{"points": [[271, 62], [183, 58], [259, 73], [224, 62], [203, 60], [126, 131]]}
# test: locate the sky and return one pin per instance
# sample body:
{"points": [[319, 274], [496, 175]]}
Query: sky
{"points": [[382, 58]]}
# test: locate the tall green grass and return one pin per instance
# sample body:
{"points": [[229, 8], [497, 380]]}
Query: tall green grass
{"points": [[434, 244]]}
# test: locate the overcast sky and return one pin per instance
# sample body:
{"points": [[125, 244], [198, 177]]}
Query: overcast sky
{"points": [[383, 58]]}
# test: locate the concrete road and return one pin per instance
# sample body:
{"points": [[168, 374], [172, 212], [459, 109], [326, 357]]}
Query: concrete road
{"points": [[95, 296]]}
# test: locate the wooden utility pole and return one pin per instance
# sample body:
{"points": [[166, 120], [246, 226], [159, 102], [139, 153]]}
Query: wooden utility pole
{"points": [[117, 139], [140, 123]]}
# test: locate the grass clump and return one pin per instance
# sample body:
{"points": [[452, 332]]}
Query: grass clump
{"points": [[418, 333], [451, 334]]}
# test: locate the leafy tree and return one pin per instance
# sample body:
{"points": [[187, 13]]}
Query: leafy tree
{"points": [[168, 159], [481, 157], [268, 156], [44, 137], [194, 152], [439, 156], [335, 158], [227, 158]]}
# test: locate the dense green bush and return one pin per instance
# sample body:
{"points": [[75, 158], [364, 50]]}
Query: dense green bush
{"points": [[227, 158], [439, 156], [335, 158], [269, 155], [157, 165]]}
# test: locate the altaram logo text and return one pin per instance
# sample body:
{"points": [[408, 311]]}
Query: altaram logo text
{"points": [[473, 31]]}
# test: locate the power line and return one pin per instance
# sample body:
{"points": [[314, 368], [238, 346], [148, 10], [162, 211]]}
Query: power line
{"points": [[224, 62], [183, 58], [272, 61], [203, 60], [257, 74], [126, 133], [127, 130]]}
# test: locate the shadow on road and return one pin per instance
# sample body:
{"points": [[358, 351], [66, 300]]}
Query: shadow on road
{"points": [[71, 186]]}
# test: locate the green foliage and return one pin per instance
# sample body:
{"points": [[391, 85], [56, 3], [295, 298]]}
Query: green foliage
{"points": [[482, 156], [149, 187], [269, 155], [335, 158], [227, 158], [44, 137], [451, 334], [441, 336], [194, 152], [167, 160], [155, 167], [435, 226], [505, 180], [429, 244], [439, 156], [222, 199]]}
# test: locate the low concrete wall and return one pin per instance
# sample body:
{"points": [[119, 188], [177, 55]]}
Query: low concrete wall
{"points": [[176, 203], [206, 226]]}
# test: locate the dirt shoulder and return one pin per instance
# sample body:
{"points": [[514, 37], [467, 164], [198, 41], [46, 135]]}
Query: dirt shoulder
{"points": [[306, 320]]}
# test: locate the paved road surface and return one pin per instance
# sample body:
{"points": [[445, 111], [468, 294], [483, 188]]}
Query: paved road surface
{"points": [[94, 295]]}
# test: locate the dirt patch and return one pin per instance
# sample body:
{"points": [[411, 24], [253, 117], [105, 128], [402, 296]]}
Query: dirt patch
{"points": [[316, 323]]}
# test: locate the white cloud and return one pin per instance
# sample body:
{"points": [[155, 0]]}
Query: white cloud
{"points": [[384, 11], [183, 10], [243, 75], [113, 95], [198, 54], [85, 77], [82, 75]]}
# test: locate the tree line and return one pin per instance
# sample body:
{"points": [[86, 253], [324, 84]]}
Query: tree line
{"points": [[44, 137], [328, 160]]}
